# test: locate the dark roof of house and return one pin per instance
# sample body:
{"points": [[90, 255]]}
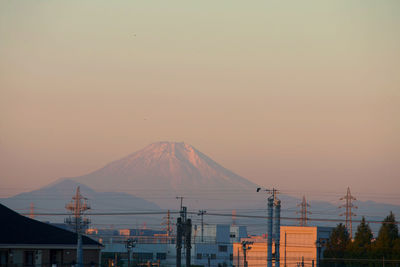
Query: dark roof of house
{"points": [[17, 229]]}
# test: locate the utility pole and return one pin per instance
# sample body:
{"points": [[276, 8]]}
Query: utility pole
{"points": [[179, 234], [238, 257], [130, 244], [201, 213], [188, 240], [277, 217], [233, 217], [77, 207], [319, 245], [269, 229], [273, 201], [303, 211], [181, 198], [184, 230], [246, 246], [348, 213]]}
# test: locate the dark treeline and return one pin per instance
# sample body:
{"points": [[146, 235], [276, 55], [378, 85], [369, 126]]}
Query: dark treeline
{"points": [[364, 250]]}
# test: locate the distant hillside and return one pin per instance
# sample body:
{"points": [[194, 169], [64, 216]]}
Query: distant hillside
{"points": [[52, 199]]}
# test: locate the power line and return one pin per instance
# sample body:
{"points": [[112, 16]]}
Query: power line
{"points": [[195, 213]]}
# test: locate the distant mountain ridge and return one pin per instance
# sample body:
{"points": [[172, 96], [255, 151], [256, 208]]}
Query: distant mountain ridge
{"points": [[54, 197]]}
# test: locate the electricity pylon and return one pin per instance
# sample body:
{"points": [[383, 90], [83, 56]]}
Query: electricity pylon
{"points": [[77, 207], [303, 211], [168, 225], [348, 213]]}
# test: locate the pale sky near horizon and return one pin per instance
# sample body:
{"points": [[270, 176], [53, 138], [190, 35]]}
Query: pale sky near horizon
{"points": [[300, 95]]}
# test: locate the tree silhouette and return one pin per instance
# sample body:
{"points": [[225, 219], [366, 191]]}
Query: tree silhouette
{"points": [[337, 246], [360, 248], [387, 244]]}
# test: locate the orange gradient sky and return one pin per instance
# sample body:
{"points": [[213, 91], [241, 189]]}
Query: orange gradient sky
{"points": [[300, 95]]}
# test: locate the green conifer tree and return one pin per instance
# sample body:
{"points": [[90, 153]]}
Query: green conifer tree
{"points": [[363, 236], [387, 240], [360, 248], [337, 245]]}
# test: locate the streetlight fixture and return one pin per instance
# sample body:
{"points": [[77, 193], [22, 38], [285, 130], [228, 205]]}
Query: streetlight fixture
{"points": [[130, 244]]}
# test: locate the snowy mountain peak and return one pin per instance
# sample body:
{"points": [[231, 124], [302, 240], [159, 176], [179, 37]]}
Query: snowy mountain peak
{"points": [[167, 167], [161, 155], [167, 149]]}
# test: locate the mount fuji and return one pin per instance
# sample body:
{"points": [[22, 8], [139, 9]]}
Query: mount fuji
{"points": [[162, 171]]}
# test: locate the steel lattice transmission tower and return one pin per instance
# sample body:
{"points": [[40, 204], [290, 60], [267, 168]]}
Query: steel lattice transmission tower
{"points": [[168, 224], [348, 213], [304, 211], [233, 217], [77, 207]]}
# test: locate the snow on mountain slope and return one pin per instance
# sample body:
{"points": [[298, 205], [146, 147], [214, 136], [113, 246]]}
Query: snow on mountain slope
{"points": [[164, 170]]}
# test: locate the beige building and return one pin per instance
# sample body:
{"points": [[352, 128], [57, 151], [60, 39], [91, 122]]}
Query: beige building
{"points": [[298, 245]]}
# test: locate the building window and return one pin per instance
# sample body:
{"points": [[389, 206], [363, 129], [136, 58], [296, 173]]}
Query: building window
{"points": [[213, 256], [232, 235], [28, 258], [198, 256], [231, 257], [223, 248], [161, 256]]}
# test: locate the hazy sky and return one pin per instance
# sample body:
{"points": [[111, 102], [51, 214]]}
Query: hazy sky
{"points": [[301, 95]]}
